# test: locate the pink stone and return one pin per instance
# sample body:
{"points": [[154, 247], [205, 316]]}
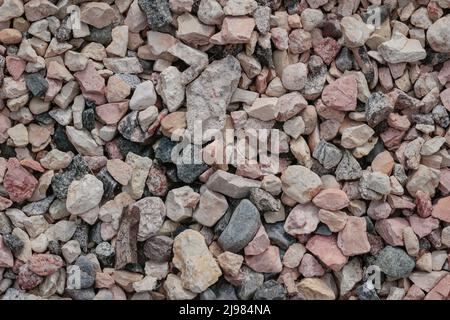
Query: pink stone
{"points": [[327, 49], [26, 279], [325, 248], [392, 138], [111, 113], [280, 38], [32, 164], [444, 181], [157, 182], [54, 86], [423, 226], [341, 94], [379, 209], [397, 202], [249, 170], [352, 240], [5, 124], [414, 293], [310, 267], [267, 262], [290, 105], [92, 85], [259, 243], [423, 204], [303, 219], [5, 203], [441, 209], [331, 199], [445, 98], [18, 182], [440, 291], [391, 230], [45, 264], [95, 163], [444, 73], [103, 280], [15, 66], [237, 29], [6, 257]]}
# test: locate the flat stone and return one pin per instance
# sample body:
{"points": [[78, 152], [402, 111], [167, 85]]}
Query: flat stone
{"points": [[325, 248], [341, 94], [401, 49]]}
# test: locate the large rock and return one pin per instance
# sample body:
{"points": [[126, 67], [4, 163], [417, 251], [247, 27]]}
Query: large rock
{"points": [[242, 227], [199, 269], [208, 96], [395, 262]]}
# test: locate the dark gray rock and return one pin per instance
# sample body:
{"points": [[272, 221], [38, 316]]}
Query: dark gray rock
{"points": [[13, 243], [102, 35], [270, 290], [88, 118], [87, 272], [349, 168], [110, 186], [37, 84], [323, 230], [190, 164], [251, 282], [38, 208], [378, 108], [440, 116], [399, 173], [367, 292], [130, 128], [158, 248], [344, 60], [327, 154], [163, 149], [95, 234], [264, 201], [278, 235], [60, 138], [77, 169], [105, 254], [82, 294], [157, 12], [54, 247], [241, 229], [317, 76], [81, 235], [395, 262]]}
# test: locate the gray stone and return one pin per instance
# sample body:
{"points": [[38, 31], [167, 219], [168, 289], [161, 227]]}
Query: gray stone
{"points": [[378, 108], [264, 201], [270, 290], [157, 12], [241, 229], [208, 96], [327, 154], [251, 282], [349, 168], [395, 262]]}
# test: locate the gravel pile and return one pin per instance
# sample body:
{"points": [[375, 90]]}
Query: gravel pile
{"points": [[224, 149]]}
